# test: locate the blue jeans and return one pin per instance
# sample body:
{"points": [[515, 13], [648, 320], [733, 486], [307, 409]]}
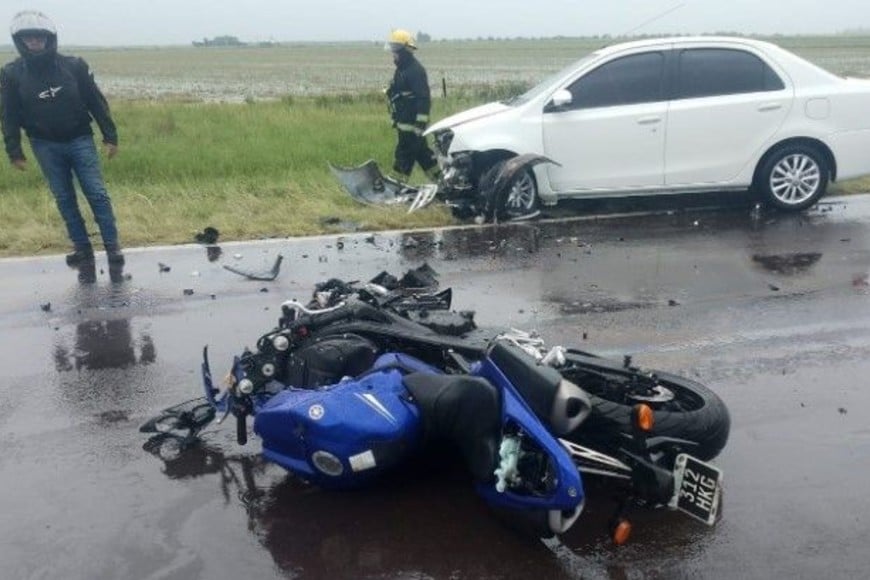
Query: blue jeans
{"points": [[58, 162]]}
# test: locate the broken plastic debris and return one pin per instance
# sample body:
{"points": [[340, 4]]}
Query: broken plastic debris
{"points": [[263, 276]]}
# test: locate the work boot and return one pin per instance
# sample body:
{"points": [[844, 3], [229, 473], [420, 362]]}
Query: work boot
{"points": [[114, 255], [81, 255], [87, 272]]}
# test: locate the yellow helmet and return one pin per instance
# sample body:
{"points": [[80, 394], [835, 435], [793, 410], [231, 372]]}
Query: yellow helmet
{"points": [[400, 40]]}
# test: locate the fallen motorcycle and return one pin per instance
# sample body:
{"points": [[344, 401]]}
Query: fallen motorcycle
{"points": [[353, 382]]}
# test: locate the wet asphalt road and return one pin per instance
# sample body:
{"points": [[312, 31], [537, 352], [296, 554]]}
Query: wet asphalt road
{"points": [[772, 313]]}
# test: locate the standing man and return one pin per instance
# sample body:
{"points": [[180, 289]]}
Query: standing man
{"points": [[54, 98], [409, 106]]}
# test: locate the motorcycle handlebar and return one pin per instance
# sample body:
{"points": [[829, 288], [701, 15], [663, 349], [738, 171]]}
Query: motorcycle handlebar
{"points": [[318, 317]]}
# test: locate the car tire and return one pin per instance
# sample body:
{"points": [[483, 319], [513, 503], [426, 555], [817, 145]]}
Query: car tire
{"points": [[793, 177], [519, 200]]}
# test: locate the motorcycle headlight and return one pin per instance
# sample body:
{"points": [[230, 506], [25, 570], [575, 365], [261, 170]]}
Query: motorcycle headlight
{"points": [[327, 463]]}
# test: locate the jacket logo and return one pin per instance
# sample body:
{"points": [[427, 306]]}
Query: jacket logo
{"points": [[50, 93]]}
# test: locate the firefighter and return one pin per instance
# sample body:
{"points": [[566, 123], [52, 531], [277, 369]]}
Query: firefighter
{"points": [[410, 102]]}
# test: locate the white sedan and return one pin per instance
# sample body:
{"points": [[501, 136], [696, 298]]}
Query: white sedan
{"points": [[670, 115]]}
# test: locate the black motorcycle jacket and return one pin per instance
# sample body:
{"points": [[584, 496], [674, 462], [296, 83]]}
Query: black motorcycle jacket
{"points": [[409, 96], [55, 99]]}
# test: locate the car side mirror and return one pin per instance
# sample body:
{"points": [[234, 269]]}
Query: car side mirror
{"points": [[560, 100]]}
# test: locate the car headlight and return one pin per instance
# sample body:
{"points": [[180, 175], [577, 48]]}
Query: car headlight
{"points": [[443, 139]]}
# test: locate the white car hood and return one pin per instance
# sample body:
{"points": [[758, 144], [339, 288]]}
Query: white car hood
{"points": [[479, 112]]}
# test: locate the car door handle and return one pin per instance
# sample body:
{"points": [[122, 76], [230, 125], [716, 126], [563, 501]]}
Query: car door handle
{"points": [[651, 120], [769, 107]]}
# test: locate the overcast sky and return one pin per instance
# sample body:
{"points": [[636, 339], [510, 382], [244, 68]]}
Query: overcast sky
{"points": [[156, 22]]}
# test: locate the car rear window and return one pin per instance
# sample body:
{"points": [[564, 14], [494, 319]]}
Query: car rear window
{"points": [[705, 72]]}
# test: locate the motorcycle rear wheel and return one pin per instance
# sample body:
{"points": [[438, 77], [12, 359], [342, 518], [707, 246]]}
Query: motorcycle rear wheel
{"points": [[693, 411]]}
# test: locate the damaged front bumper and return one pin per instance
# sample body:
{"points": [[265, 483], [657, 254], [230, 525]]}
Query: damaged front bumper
{"points": [[473, 184]]}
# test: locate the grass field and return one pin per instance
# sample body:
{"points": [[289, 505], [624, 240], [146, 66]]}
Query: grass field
{"points": [[239, 138], [237, 74]]}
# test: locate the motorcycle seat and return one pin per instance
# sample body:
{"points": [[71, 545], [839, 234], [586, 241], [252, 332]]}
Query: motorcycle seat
{"points": [[463, 410], [558, 403]]}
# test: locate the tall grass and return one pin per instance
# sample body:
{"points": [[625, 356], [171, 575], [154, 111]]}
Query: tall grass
{"points": [[250, 170]]}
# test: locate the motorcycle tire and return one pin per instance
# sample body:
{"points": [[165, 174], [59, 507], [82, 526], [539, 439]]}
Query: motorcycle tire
{"points": [[695, 413]]}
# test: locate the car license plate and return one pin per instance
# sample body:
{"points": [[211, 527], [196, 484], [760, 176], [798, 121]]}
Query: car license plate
{"points": [[698, 488]]}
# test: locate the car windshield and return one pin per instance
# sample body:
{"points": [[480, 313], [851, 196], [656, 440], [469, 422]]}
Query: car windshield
{"points": [[547, 83]]}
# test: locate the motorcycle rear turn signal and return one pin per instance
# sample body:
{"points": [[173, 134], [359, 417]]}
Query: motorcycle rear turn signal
{"points": [[644, 417], [621, 532]]}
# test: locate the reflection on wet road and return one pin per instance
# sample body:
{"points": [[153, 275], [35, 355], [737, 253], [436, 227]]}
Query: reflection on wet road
{"points": [[771, 312], [101, 344]]}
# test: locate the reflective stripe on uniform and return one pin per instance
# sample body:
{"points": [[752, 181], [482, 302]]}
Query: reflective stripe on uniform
{"points": [[409, 128]]}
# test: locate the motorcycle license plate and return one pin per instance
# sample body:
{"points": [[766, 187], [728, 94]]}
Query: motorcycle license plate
{"points": [[698, 488]]}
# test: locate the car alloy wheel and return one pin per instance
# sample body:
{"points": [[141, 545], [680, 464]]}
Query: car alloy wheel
{"points": [[522, 198], [794, 177]]}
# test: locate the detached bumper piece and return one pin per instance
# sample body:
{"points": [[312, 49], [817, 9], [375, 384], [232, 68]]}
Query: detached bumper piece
{"points": [[366, 184]]}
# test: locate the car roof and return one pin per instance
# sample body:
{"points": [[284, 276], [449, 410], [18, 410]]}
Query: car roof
{"points": [[800, 69], [678, 40]]}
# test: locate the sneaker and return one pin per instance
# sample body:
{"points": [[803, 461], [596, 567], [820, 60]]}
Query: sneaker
{"points": [[79, 257]]}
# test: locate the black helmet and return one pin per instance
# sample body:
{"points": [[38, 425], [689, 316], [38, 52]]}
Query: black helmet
{"points": [[33, 22]]}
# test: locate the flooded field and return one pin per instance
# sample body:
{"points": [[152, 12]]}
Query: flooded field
{"points": [[311, 69]]}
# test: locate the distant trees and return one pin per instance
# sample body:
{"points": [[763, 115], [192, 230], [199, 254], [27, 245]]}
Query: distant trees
{"points": [[225, 40], [423, 37]]}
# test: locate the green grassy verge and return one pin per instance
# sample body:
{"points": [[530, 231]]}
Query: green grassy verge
{"points": [[250, 170], [253, 171]]}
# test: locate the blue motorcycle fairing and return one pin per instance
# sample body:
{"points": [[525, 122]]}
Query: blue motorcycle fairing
{"points": [[342, 435], [568, 494], [211, 393], [222, 402]]}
